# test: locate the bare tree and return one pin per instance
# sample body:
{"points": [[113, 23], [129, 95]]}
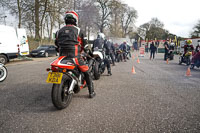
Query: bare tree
{"points": [[128, 16], [105, 12], [115, 24], [88, 15]]}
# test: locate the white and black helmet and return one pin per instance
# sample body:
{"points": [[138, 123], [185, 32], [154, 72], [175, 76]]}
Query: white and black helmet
{"points": [[101, 35]]}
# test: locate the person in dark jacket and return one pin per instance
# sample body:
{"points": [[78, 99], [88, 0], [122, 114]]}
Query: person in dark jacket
{"points": [[70, 42], [107, 47], [166, 45], [153, 50], [123, 48], [99, 42], [112, 53]]}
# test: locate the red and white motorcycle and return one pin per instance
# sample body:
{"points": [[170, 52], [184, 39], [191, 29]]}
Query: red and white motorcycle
{"points": [[67, 79]]}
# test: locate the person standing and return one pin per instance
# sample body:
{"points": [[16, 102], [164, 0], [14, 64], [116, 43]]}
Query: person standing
{"points": [[112, 54], [107, 47], [166, 45], [152, 50]]}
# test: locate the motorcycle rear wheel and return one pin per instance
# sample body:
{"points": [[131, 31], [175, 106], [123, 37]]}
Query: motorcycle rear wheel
{"points": [[96, 71], [3, 73], [60, 96]]}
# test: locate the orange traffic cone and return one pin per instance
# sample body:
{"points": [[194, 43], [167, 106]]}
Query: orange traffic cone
{"points": [[138, 61], [167, 61], [133, 70], [188, 73]]}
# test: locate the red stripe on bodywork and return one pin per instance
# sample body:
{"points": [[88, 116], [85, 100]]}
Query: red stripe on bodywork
{"points": [[76, 50], [83, 68], [55, 64], [76, 61]]}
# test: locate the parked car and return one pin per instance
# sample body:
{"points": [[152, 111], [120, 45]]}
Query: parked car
{"points": [[44, 51]]}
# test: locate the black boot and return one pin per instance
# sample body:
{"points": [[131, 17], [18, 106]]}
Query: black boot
{"points": [[91, 91], [89, 84], [109, 73]]}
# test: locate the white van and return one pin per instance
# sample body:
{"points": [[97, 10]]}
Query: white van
{"points": [[23, 46], [8, 44], [12, 43]]}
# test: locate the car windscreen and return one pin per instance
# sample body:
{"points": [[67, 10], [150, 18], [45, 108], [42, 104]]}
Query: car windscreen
{"points": [[43, 47]]}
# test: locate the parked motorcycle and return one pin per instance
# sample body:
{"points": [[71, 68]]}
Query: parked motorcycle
{"points": [[185, 59], [119, 55], [98, 55], [67, 79], [3, 72]]}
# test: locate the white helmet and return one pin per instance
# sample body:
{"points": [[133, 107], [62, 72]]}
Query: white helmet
{"points": [[101, 35]]}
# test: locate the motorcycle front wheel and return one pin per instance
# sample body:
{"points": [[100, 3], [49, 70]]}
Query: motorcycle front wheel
{"points": [[3, 73], [192, 66], [60, 96], [188, 61]]}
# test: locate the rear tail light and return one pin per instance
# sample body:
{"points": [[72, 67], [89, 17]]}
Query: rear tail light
{"points": [[54, 69], [48, 69]]}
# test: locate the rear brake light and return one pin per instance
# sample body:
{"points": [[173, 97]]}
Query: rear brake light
{"points": [[54, 69], [48, 69]]}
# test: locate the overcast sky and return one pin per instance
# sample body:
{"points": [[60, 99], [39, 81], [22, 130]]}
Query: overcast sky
{"points": [[178, 16]]}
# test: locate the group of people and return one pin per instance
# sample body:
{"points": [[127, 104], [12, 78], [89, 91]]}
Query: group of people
{"points": [[110, 51], [188, 47]]}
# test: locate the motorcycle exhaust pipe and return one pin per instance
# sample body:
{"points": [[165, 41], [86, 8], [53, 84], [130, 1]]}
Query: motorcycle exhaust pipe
{"points": [[74, 82]]}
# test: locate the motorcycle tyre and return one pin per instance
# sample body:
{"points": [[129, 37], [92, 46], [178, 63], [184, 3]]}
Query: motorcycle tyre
{"points": [[188, 62], [192, 66], [57, 93], [5, 71], [96, 71]]}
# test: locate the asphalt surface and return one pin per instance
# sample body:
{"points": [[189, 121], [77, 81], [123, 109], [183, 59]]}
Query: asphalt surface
{"points": [[158, 98]]}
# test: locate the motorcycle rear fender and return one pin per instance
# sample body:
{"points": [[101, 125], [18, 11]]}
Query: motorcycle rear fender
{"points": [[99, 54]]}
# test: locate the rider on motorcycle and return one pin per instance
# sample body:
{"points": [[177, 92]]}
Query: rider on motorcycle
{"points": [[99, 42], [123, 47], [70, 42], [188, 47]]}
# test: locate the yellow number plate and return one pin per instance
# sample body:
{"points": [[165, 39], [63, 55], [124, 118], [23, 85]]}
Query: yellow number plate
{"points": [[54, 77], [24, 53]]}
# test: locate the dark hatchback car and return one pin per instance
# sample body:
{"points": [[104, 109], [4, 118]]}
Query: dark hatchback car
{"points": [[44, 51]]}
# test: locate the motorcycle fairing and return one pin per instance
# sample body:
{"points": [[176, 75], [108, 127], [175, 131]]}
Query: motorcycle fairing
{"points": [[63, 62], [97, 53]]}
